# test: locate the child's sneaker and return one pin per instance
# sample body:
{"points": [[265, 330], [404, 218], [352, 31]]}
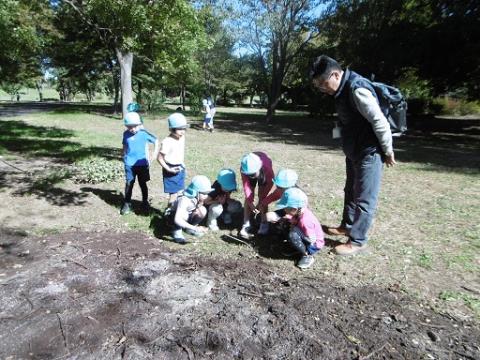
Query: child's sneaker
{"points": [[245, 234], [227, 218], [213, 225], [126, 208], [178, 237], [194, 233], [180, 240], [305, 262], [263, 230]]}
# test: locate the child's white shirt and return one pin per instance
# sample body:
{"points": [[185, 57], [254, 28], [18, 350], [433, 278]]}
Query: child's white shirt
{"points": [[173, 150], [183, 207]]}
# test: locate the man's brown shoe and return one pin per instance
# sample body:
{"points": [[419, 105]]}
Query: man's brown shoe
{"points": [[337, 231], [349, 248]]}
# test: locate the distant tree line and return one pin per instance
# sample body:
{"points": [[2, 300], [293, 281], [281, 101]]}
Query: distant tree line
{"points": [[253, 52]]}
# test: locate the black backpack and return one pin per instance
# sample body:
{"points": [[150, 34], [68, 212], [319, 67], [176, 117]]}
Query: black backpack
{"points": [[393, 105]]}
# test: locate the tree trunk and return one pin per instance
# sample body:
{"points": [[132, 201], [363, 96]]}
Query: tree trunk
{"points": [[126, 61], [274, 97], [39, 85], [140, 93], [116, 89], [182, 96]]}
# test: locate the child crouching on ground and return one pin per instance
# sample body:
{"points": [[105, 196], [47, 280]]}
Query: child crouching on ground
{"points": [[256, 169], [219, 202], [136, 159], [172, 158], [285, 179], [306, 235], [189, 209]]}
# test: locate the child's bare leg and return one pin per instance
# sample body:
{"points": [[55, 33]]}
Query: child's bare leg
{"points": [[172, 198]]}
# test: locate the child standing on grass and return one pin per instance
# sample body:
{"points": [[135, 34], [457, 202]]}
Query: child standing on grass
{"points": [[136, 157], [172, 158], [306, 235], [209, 109], [219, 202], [256, 169], [189, 209]]}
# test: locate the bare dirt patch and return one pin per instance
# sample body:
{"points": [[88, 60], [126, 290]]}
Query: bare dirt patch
{"points": [[111, 295]]}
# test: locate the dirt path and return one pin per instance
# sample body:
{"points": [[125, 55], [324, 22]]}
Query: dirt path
{"points": [[114, 295]]}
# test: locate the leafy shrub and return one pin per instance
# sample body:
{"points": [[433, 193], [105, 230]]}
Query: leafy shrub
{"points": [[412, 86], [417, 92], [195, 102], [97, 170], [154, 99], [451, 106]]}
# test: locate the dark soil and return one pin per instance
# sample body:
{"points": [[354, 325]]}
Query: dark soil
{"points": [[113, 295]]}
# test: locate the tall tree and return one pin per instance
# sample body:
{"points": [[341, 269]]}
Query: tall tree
{"points": [[127, 27], [24, 26], [276, 31], [438, 39]]}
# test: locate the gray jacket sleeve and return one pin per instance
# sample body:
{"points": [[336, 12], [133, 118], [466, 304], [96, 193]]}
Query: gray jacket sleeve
{"points": [[368, 106]]}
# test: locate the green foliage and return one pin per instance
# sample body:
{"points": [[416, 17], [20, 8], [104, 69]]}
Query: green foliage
{"points": [[97, 170], [425, 260], [162, 36], [195, 102], [24, 27], [412, 86], [385, 37], [154, 100], [450, 106]]}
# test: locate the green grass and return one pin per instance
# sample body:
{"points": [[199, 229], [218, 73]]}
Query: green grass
{"points": [[425, 238], [473, 302]]}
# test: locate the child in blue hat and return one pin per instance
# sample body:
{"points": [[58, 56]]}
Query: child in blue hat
{"points": [[136, 158], [219, 202], [189, 209], [172, 158], [306, 235]]}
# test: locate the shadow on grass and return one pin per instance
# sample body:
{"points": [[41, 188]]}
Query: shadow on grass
{"points": [[115, 199], [44, 187], [442, 143], [17, 136], [20, 108]]}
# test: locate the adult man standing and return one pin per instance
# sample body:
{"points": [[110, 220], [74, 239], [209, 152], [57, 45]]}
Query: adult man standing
{"points": [[367, 144]]}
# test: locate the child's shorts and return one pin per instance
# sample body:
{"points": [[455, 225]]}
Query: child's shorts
{"points": [[173, 183], [141, 172], [207, 120]]}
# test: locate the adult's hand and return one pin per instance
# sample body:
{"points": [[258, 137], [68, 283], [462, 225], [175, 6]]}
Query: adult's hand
{"points": [[390, 160]]}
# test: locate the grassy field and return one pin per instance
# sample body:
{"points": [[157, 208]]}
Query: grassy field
{"points": [[29, 94], [426, 236]]}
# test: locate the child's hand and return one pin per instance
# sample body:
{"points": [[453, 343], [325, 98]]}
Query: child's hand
{"points": [[175, 169], [201, 229], [255, 211]]}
